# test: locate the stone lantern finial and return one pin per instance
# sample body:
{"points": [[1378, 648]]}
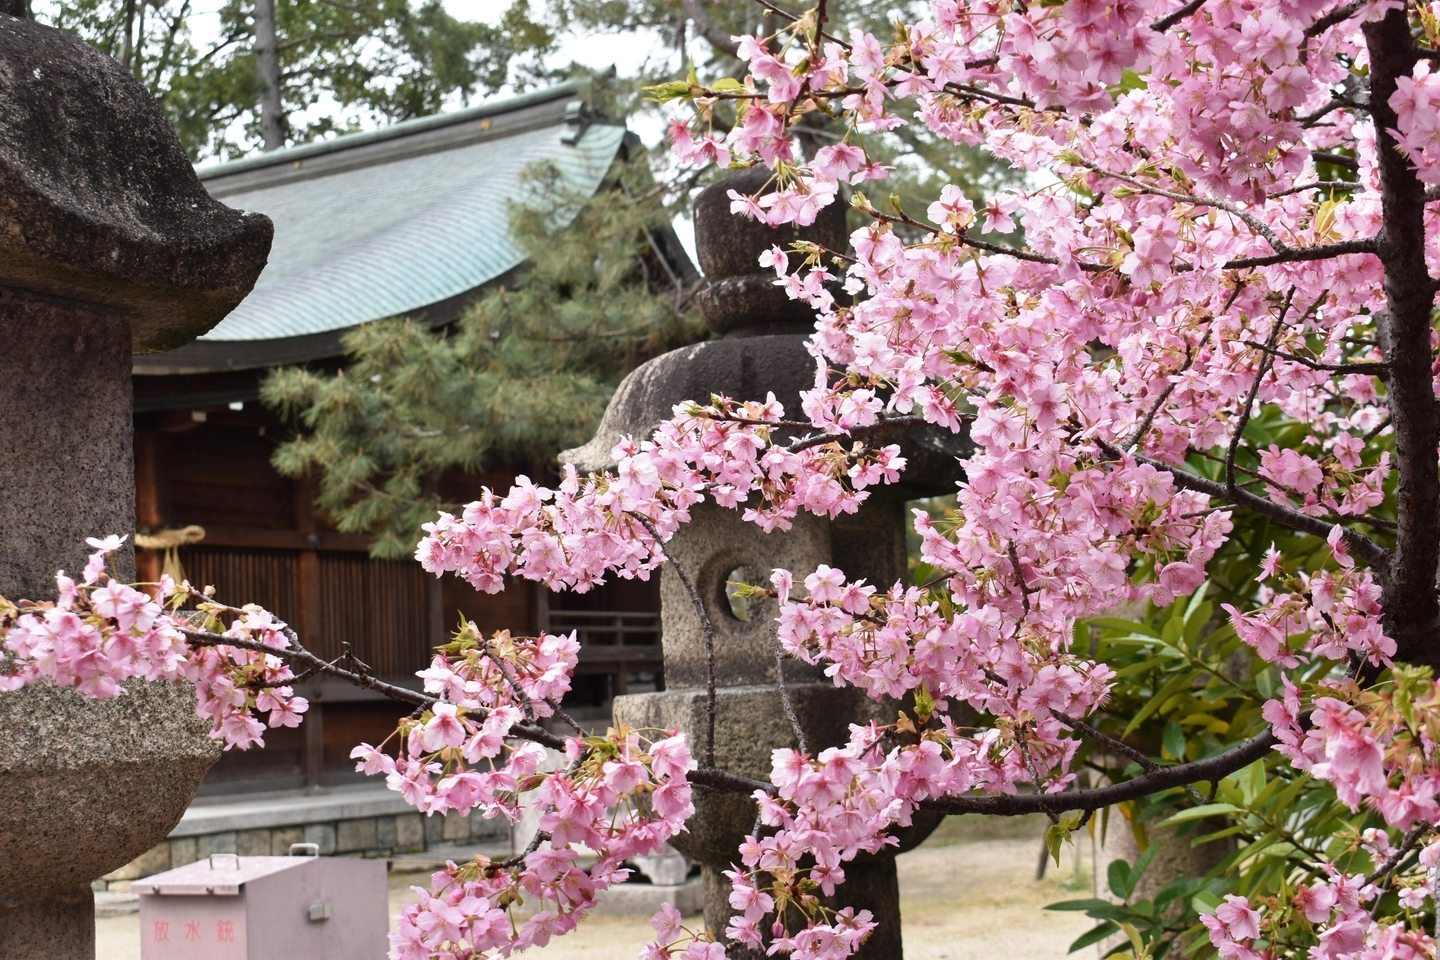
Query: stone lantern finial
{"points": [[741, 298], [100, 204]]}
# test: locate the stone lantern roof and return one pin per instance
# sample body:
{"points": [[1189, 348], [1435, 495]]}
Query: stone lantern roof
{"points": [[98, 202]]}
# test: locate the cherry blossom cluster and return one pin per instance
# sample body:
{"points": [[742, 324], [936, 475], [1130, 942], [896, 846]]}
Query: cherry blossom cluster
{"points": [[1328, 613], [1417, 105], [1344, 906], [614, 797], [1193, 325], [573, 536], [100, 632], [1199, 264], [1376, 745]]}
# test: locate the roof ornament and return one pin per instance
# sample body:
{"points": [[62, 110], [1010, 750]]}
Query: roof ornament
{"points": [[579, 117]]}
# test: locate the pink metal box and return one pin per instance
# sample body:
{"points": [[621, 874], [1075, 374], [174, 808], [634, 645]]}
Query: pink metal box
{"points": [[265, 908]]}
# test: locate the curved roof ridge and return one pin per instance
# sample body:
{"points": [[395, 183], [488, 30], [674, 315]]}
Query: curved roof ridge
{"points": [[405, 128]]}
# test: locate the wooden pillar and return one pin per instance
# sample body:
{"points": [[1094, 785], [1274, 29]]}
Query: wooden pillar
{"points": [[149, 501], [539, 607], [307, 570], [308, 625], [314, 750]]}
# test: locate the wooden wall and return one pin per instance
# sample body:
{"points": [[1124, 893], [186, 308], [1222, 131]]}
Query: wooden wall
{"points": [[265, 543]]}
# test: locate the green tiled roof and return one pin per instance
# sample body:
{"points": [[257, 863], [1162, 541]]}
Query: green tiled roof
{"points": [[387, 222]]}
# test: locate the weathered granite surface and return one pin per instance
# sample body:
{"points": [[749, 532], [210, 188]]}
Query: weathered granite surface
{"points": [[743, 369], [741, 299], [65, 438], [98, 201], [89, 785], [108, 244]]}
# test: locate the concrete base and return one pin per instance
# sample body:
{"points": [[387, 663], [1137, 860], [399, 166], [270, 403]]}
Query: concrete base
{"points": [[644, 899], [57, 926]]}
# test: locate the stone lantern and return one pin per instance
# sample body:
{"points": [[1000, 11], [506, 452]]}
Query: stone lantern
{"points": [[109, 246], [760, 348]]}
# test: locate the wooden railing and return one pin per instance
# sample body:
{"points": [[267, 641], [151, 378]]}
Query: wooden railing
{"points": [[610, 636]]}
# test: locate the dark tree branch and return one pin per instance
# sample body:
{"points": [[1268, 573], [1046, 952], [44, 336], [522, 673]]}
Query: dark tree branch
{"points": [[1209, 770], [1405, 328], [1289, 254], [1338, 15], [1364, 367], [1169, 20], [1124, 749], [1336, 160], [1362, 546], [709, 29], [785, 701]]}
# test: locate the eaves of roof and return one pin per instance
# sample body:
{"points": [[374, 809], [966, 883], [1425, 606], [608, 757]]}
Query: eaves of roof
{"points": [[407, 221]]}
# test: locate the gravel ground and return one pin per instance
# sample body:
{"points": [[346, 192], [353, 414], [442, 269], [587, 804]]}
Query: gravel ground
{"points": [[968, 893]]}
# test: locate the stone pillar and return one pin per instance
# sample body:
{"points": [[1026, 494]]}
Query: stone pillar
{"points": [[109, 245], [761, 348]]}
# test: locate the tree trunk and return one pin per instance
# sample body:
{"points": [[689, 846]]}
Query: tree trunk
{"points": [[127, 42], [1405, 328], [267, 62]]}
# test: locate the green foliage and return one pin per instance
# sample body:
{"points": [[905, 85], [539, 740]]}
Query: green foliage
{"points": [[381, 60], [1189, 689], [524, 374]]}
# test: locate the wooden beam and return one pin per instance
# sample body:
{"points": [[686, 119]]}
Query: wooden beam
{"points": [[635, 655], [256, 538]]}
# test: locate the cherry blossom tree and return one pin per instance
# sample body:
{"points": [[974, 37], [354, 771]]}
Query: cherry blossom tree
{"points": [[1221, 321]]}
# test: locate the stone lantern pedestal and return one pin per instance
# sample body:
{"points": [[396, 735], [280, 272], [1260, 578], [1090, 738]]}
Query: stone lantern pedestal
{"points": [[761, 349], [108, 245]]}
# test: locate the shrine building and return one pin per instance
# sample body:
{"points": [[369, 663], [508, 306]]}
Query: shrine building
{"points": [[409, 221]]}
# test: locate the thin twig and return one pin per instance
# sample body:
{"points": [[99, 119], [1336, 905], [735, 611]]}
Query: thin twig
{"points": [[1034, 774], [785, 702], [1411, 841], [1025, 590], [540, 837], [295, 653], [1265, 360], [511, 680], [1372, 367], [1365, 548], [565, 717], [1123, 748]]}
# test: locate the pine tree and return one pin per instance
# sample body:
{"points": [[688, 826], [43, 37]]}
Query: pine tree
{"points": [[528, 372]]}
